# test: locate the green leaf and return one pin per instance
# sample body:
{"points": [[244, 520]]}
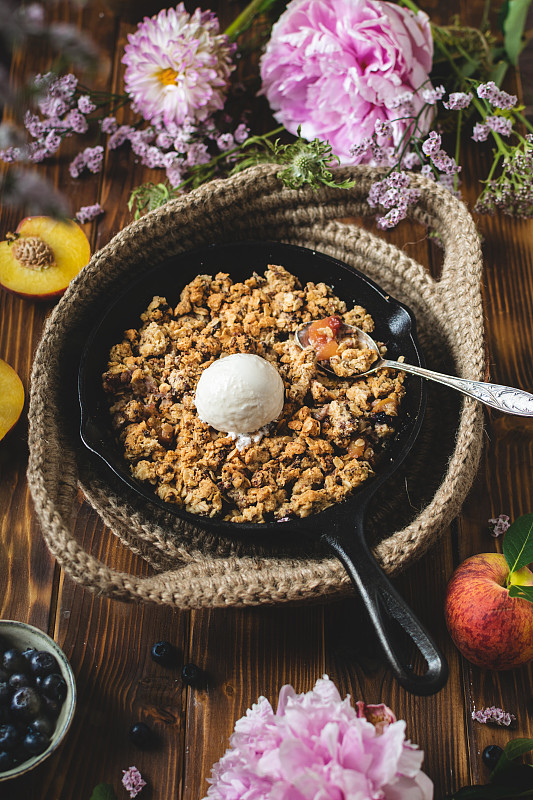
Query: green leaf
{"points": [[525, 592], [517, 747], [104, 791], [513, 28], [518, 543]]}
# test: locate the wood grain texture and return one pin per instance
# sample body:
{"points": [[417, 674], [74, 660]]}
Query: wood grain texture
{"points": [[246, 653]]}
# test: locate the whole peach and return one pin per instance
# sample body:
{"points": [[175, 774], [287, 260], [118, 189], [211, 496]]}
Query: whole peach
{"points": [[490, 628]]}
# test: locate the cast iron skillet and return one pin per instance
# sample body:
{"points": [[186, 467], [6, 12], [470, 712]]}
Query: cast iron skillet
{"points": [[340, 527]]}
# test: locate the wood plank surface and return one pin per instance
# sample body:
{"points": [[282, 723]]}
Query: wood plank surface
{"points": [[246, 653]]}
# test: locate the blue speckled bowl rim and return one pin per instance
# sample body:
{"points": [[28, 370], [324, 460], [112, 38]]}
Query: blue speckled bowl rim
{"points": [[7, 625]]}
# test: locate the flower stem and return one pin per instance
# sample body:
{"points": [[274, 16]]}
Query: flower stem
{"points": [[244, 19]]}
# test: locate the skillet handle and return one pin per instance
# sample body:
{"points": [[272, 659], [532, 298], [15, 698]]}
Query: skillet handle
{"points": [[383, 604]]}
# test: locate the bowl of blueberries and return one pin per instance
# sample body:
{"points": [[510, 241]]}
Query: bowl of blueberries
{"points": [[37, 697]]}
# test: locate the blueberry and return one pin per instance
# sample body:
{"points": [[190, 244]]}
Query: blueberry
{"points": [[35, 743], [42, 724], [9, 737], [12, 660], [141, 735], [190, 674], [18, 680], [4, 674], [6, 761], [54, 686], [43, 663], [163, 653], [491, 755], [4, 644], [25, 703]]}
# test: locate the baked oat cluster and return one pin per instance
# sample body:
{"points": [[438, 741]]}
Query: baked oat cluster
{"points": [[326, 442]]}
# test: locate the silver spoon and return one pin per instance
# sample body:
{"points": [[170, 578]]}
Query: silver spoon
{"points": [[504, 398]]}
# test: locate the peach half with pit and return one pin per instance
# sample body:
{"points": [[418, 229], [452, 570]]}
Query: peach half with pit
{"points": [[40, 259], [11, 398]]}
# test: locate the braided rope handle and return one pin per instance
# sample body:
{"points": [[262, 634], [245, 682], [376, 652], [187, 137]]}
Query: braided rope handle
{"points": [[253, 205]]}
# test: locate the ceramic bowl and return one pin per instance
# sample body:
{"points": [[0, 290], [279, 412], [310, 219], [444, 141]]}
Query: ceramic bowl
{"points": [[22, 636]]}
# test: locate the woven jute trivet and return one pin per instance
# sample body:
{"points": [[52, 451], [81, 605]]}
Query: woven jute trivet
{"points": [[195, 569]]}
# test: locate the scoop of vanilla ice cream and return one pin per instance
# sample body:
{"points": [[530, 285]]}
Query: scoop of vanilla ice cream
{"points": [[239, 394]]}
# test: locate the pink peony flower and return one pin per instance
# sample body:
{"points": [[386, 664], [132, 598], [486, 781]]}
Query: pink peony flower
{"points": [[335, 67], [177, 66], [317, 747]]}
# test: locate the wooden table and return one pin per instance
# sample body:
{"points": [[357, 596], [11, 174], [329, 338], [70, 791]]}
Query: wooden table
{"points": [[251, 652]]}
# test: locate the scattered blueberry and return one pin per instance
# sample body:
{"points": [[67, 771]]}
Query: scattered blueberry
{"points": [[163, 653], [12, 660], [491, 755], [25, 703], [35, 743], [141, 735], [43, 663], [54, 686], [9, 737], [190, 674]]}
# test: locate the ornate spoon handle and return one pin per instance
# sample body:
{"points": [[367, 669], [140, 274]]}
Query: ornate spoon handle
{"points": [[504, 398]]}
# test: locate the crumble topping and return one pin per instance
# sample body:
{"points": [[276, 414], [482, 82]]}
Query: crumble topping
{"points": [[326, 442]]}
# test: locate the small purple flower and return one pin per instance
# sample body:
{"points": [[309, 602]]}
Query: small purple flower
{"points": [[445, 163], [52, 142], [76, 121], [94, 157], [499, 525], [458, 101], [153, 157], [431, 96], [359, 151], [495, 96], [33, 125], [77, 165], [393, 194], [88, 213], [197, 154], [404, 102], [494, 715], [383, 128], [501, 125], [132, 781], [432, 144], [225, 141], [85, 104], [164, 139], [241, 133], [109, 125], [480, 132], [120, 136]]}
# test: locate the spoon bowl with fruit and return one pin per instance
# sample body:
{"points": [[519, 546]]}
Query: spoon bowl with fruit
{"points": [[349, 352]]}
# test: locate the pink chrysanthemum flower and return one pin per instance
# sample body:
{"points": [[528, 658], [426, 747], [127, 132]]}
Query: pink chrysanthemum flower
{"points": [[335, 67], [177, 66], [317, 746]]}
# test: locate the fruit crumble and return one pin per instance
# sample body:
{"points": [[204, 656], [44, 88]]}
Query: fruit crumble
{"points": [[326, 441]]}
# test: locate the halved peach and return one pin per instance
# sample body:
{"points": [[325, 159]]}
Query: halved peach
{"points": [[42, 257], [11, 398]]}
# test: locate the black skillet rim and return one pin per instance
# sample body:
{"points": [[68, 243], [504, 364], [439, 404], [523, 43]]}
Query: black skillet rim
{"points": [[91, 427]]}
